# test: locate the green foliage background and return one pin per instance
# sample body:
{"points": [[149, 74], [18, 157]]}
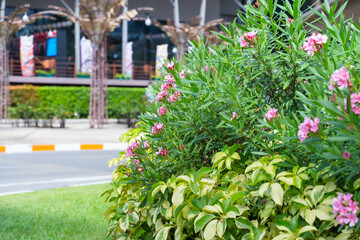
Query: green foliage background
{"points": [[121, 101]]}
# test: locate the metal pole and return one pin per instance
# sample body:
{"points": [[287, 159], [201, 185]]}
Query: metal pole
{"points": [[202, 12], [176, 13], [77, 39], [124, 39], [3, 6]]}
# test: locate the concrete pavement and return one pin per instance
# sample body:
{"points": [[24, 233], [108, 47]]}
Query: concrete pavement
{"points": [[76, 136], [27, 172]]}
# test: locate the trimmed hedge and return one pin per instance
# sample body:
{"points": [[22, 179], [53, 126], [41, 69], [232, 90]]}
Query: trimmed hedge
{"points": [[122, 102]]}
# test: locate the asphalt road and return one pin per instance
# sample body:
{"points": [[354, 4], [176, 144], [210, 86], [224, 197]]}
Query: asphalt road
{"points": [[27, 172]]}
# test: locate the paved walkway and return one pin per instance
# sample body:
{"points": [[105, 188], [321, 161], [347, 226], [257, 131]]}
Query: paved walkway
{"points": [[76, 136]]}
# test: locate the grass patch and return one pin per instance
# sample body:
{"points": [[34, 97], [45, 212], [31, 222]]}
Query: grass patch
{"points": [[66, 213]]}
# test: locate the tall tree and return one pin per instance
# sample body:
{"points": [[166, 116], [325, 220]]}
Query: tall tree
{"points": [[9, 25], [97, 18]]}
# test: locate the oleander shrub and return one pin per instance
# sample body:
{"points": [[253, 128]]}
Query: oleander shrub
{"points": [[246, 140]]}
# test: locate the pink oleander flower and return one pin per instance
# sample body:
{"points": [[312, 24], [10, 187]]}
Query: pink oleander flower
{"points": [[346, 155], [248, 38], [272, 113], [234, 116], [157, 128], [289, 20], [314, 43], [174, 97], [130, 150], [127, 174], [161, 111], [182, 74], [140, 169], [355, 102], [146, 144], [169, 78], [345, 209], [161, 95], [170, 65], [162, 151], [136, 162], [340, 78], [166, 86], [206, 68], [308, 126]]}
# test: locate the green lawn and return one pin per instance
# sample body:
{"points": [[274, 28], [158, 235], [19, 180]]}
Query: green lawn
{"points": [[67, 213]]}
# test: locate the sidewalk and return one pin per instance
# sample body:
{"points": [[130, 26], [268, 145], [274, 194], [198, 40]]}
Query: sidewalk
{"points": [[76, 136]]}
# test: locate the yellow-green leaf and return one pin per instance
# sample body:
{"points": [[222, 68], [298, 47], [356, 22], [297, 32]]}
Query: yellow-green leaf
{"points": [[277, 193], [310, 216], [235, 156], [307, 229], [263, 188], [221, 228], [213, 209], [324, 212], [228, 163], [317, 193], [163, 233], [178, 195], [210, 230]]}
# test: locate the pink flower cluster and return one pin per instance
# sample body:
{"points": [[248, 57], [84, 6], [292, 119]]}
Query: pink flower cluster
{"points": [[355, 102], [174, 97], [272, 113], [161, 95], [161, 111], [234, 116], [314, 43], [146, 144], [130, 150], [137, 162], [169, 78], [170, 65], [182, 74], [248, 38], [346, 155], [340, 78], [308, 126], [162, 151], [157, 128], [346, 209]]}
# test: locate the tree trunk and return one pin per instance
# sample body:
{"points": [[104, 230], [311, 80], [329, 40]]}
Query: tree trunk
{"points": [[4, 84], [98, 87]]}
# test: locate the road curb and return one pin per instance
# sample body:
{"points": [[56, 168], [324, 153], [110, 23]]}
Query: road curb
{"points": [[26, 148]]}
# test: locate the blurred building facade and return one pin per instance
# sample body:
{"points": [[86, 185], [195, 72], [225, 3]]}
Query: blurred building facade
{"points": [[144, 38]]}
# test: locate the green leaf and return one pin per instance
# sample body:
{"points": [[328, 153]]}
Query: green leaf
{"points": [[154, 189], [210, 230], [163, 233], [243, 223], [201, 221], [133, 217], [277, 193], [195, 188], [202, 172]]}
